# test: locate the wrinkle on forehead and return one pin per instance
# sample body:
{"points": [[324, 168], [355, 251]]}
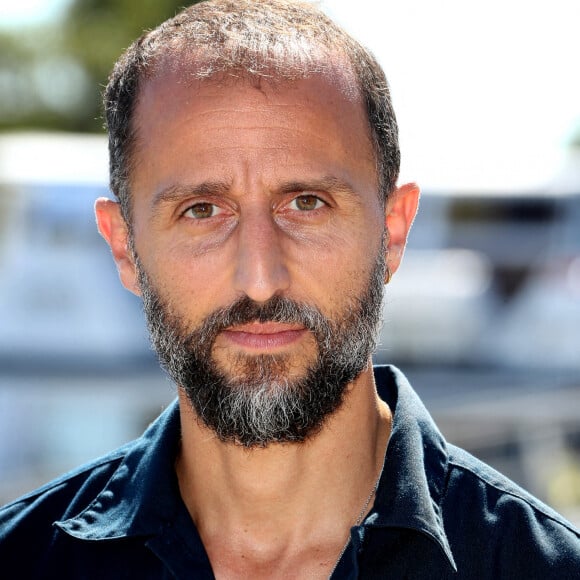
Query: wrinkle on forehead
{"points": [[270, 100]]}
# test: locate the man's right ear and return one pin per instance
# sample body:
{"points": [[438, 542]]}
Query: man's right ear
{"points": [[113, 228]]}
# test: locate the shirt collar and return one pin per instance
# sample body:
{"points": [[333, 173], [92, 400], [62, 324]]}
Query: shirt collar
{"points": [[142, 496], [412, 484]]}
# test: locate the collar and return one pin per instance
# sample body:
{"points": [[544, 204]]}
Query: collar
{"points": [[142, 497], [413, 481]]}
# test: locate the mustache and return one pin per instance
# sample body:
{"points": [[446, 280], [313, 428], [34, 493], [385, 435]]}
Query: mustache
{"points": [[276, 309]]}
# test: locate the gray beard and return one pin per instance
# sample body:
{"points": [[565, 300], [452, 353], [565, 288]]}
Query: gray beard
{"points": [[261, 405]]}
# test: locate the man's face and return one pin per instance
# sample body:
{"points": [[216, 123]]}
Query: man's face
{"points": [[258, 229]]}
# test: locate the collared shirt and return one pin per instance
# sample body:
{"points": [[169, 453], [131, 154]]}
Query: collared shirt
{"points": [[439, 513]]}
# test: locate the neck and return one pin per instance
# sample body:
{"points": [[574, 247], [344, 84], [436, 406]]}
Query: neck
{"points": [[277, 500]]}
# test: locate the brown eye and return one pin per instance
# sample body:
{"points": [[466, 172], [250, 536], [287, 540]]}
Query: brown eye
{"points": [[306, 203], [202, 210]]}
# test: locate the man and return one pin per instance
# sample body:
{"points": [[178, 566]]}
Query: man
{"points": [[254, 157]]}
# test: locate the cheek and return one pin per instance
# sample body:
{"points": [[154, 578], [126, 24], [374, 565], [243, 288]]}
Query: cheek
{"points": [[193, 286], [350, 233], [334, 269]]}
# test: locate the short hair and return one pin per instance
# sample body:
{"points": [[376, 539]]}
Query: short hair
{"points": [[277, 40]]}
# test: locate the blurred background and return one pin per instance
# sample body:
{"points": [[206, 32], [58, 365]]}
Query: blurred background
{"points": [[484, 315]]}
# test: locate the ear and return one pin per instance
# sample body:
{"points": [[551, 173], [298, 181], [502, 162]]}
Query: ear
{"points": [[400, 211], [113, 228]]}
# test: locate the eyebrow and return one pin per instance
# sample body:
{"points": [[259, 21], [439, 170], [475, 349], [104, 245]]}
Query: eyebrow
{"points": [[329, 183], [175, 193]]}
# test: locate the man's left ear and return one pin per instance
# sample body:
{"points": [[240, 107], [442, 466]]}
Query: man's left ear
{"points": [[400, 211]]}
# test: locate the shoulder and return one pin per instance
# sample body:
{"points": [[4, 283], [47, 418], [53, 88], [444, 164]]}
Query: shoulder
{"points": [[486, 513], [30, 518]]}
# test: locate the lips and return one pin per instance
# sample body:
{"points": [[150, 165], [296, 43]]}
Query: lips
{"points": [[264, 335]]}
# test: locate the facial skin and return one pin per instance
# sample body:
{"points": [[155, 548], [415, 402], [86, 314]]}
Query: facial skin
{"points": [[255, 193]]}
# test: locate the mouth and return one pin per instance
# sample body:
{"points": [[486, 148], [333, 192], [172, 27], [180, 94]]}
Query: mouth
{"points": [[264, 336]]}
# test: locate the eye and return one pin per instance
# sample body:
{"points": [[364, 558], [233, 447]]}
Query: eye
{"points": [[306, 203], [202, 210]]}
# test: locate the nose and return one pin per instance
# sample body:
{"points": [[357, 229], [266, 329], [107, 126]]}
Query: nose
{"points": [[261, 270]]}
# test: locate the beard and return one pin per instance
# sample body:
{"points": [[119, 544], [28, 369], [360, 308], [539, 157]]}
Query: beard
{"points": [[259, 401]]}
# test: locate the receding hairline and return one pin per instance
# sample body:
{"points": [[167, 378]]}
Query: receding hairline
{"points": [[200, 64]]}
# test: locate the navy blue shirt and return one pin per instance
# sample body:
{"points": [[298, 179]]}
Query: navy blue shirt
{"points": [[438, 513]]}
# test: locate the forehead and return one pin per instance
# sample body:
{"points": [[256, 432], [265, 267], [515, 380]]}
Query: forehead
{"points": [[234, 118], [181, 72]]}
